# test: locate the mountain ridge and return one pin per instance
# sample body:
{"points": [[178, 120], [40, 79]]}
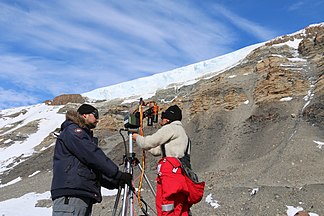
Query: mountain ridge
{"points": [[257, 125], [187, 75]]}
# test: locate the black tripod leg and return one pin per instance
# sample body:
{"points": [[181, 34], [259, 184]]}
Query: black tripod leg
{"points": [[116, 202]]}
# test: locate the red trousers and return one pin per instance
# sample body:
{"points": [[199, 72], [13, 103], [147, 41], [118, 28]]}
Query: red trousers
{"points": [[172, 191]]}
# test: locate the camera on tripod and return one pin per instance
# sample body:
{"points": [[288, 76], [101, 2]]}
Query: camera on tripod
{"points": [[133, 120], [133, 123]]}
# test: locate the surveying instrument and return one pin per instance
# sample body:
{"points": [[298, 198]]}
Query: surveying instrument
{"points": [[133, 123]]}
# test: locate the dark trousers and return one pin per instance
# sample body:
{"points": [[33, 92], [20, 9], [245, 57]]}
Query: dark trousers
{"points": [[72, 206]]}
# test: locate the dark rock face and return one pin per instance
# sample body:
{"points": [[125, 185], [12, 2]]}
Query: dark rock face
{"points": [[314, 113]]}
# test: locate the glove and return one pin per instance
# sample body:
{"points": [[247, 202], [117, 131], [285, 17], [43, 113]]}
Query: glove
{"points": [[125, 178]]}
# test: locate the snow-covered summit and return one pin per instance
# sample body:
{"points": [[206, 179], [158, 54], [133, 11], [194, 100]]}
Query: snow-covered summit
{"points": [[147, 86]]}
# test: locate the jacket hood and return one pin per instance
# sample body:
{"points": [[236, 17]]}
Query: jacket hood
{"points": [[73, 117]]}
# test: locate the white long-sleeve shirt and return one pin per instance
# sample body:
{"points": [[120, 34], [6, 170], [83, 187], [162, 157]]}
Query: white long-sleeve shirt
{"points": [[172, 135]]}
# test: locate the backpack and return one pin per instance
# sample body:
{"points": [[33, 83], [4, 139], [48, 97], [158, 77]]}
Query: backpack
{"points": [[195, 188]]}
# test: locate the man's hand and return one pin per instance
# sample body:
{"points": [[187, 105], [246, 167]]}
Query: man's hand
{"points": [[125, 178], [134, 136]]}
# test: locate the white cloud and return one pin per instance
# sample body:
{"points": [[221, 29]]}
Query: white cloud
{"points": [[15, 99], [257, 30], [297, 5]]}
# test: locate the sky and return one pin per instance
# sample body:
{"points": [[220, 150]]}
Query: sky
{"points": [[48, 48], [49, 119]]}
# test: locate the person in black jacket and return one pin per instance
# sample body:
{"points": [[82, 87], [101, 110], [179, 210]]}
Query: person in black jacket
{"points": [[80, 167]]}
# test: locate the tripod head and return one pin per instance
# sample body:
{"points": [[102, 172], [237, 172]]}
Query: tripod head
{"points": [[134, 120]]}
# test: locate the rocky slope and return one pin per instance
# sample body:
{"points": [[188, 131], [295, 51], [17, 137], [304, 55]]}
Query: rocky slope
{"points": [[252, 127]]}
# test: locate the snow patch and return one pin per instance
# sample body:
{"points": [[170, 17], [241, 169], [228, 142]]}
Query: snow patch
{"points": [[35, 173], [319, 144], [210, 200], [286, 99], [11, 182], [254, 191], [293, 44], [19, 206], [291, 211]]}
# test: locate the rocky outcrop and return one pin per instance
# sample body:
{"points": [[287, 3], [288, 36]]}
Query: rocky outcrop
{"points": [[66, 98], [309, 32], [18, 134], [276, 84], [313, 49]]}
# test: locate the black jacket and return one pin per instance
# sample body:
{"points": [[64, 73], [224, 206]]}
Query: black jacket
{"points": [[80, 167]]}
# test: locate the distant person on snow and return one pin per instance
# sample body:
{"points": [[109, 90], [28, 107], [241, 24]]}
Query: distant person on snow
{"points": [[171, 142], [80, 167]]}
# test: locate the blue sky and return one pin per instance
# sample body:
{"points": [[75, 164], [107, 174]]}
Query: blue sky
{"points": [[48, 48]]}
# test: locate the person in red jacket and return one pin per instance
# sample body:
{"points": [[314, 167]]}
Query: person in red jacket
{"points": [[171, 142]]}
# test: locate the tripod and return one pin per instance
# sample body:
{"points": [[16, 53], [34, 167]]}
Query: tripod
{"points": [[130, 160]]}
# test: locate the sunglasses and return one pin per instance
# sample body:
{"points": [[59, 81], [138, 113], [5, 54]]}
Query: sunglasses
{"points": [[95, 114]]}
